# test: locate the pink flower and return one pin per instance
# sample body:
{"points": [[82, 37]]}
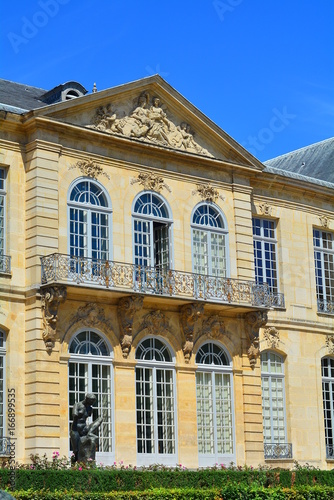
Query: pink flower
{"points": [[80, 468]]}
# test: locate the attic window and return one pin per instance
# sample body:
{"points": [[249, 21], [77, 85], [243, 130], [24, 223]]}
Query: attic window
{"points": [[72, 94]]}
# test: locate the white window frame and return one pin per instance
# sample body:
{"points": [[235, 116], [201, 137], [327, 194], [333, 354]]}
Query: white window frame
{"points": [[210, 230], [272, 376], [324, 284], [107, 458], [3, 175], [263, 241], [211, 459], [89, 208], [328, 419], [169, 459]]}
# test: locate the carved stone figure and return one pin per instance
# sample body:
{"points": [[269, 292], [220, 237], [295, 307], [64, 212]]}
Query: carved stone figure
{"points": [[272, 337], [51, 298], [126, 309], [149, 124], [254, 321], [189, 315], [83, 440], [214, 327]]}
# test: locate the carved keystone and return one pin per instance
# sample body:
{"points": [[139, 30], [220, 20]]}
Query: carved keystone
{"points": [[51, 298], [253, 322], [189, 316], [126, 309]]}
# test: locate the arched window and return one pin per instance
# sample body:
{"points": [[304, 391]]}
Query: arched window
{"points": [[273, 398], [3, 446], [215, 414], [90, 370], [327, 372], [209, 239], [155, 403], [89, 221]]}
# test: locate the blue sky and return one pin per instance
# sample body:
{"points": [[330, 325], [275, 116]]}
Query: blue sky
{"points": [[263, 70]]}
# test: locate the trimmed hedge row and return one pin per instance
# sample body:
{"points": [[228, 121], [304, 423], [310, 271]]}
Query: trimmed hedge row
{"points": [[229, 492], [102, 480]]}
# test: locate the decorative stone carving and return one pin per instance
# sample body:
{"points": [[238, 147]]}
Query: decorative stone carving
{"points": [[151, 182], [51, 298], [207, 192], [214, 327], [189, 316], [265, 208], [89, 168], [330, 344], [324, 221], [253, 322], [126, 309], [90, 315], [149, 124], [272, 337], [156, 323]]}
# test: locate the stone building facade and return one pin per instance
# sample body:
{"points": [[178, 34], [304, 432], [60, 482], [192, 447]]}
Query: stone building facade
{"points": [[147, 257]]}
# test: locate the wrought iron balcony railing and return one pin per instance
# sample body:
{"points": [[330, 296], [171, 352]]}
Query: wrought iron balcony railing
{"points": [[60, 268], [5, 446], [5, 264], [277, 300], [277, 451], [326, 306]]}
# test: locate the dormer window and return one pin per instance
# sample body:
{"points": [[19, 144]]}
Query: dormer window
{"points": [[71, 94]]}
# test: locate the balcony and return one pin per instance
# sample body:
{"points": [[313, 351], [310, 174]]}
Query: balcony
{"points": [[123, 277], [325, 306], [5, 264], [277, 451]]}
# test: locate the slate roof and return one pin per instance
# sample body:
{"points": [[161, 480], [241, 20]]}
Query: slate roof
{"points": [[19, 96], [314, 161]]}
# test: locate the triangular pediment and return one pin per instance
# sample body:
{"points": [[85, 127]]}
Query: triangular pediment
{"points": [[152, 112]]}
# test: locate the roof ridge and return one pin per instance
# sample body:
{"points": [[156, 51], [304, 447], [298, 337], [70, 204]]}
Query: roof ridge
{"points": [[22, 84], [315, 144]]}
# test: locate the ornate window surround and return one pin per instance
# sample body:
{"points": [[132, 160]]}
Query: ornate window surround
{"points": [[209, 230], [90, 360], [90, 208], [153, 367], [274, 288], [213, 370]]}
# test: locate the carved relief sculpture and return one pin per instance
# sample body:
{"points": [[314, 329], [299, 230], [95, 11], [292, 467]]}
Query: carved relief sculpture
{"points": [[156, 323], [324, 221], [89, 168], [90, 315], [149, 124], [265, 208], [126, 309], [189, 316], [214, 327], [272, 337], [207, 192], [330, 344], [51, 298], [253, 322], [151, 182]]}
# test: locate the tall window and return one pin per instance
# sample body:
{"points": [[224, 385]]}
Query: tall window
{"points": [[214, 405], [273, 398], [327, 371], [2, 218], [90, 370], [89, 220], [152, 232], [155, 403], [265, 258], [323, 242], [209, 237]]}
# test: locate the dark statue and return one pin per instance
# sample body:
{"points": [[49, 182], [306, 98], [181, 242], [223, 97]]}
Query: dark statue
{"points": [[84, 441]]}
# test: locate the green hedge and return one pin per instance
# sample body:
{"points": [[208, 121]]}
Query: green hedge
{"points": [[229, 492], [102, 480]]}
